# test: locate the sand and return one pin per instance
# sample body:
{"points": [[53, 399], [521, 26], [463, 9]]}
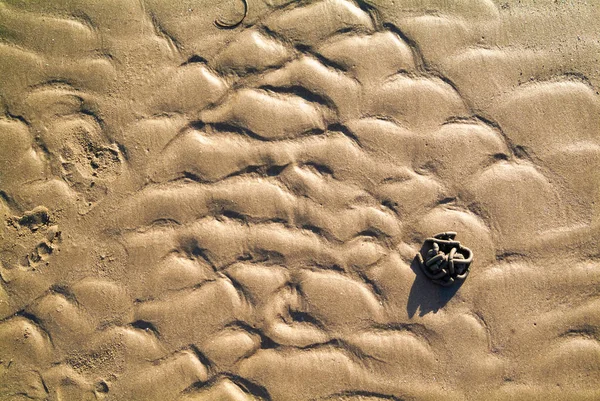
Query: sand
{"points": [[230, 211]]}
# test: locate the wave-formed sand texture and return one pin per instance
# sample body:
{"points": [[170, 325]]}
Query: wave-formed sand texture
{"points": [[195, 213]]}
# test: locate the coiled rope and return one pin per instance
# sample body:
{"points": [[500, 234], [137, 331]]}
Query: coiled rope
{"points": [[446, 260]]}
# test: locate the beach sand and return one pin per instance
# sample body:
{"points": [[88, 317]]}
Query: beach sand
{"points": [[230, 211]]}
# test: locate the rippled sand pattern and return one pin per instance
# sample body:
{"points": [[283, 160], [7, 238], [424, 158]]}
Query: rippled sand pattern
{"points": [[195, 213]]}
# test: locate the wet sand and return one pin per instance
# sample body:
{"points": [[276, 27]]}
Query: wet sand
{"points": [[231, 211]]}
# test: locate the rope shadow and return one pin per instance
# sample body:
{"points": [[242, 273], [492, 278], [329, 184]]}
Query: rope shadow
{"points": [[425, 296]]}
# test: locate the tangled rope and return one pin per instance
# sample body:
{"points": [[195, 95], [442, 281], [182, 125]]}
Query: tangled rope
{"points": [[446, 260]]}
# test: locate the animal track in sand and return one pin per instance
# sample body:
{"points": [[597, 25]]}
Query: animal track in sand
{"points": [[219, 23]]}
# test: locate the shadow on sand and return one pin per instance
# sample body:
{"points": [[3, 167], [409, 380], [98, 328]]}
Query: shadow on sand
{"points": [[426, 296]]}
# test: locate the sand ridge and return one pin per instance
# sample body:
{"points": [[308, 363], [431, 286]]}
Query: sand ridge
{"points": [[196, 213]]}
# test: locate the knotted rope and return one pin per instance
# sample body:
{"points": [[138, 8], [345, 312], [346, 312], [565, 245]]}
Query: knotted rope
{"points": [[446, 260]]}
